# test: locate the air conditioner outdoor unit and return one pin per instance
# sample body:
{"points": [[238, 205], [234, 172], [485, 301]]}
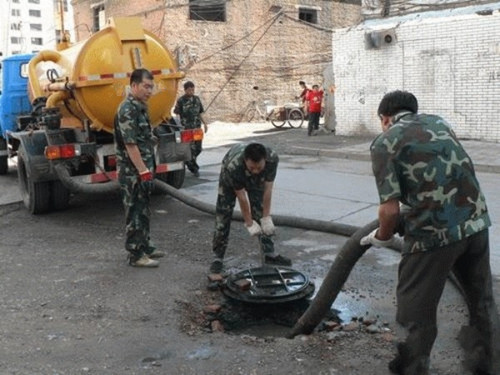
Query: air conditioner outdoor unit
{"points": [[379, 38]]}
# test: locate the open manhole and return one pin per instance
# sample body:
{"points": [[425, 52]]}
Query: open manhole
{"points": [[268, 284]]}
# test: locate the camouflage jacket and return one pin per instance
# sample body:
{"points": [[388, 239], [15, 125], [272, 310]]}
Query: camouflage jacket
{"points": [[189, 108], [235, 175], [132, 126], [420, 162]]}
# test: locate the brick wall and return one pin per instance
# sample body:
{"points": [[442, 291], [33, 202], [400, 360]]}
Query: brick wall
{"points": [[254, 47], [451, 63]]}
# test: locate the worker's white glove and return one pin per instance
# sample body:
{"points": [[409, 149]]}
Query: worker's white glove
{"points": [[267, 225], [254, 229], [395, 242]]}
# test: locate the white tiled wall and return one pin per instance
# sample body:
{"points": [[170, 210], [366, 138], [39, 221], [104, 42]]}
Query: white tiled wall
{"points": [[451, 64]]}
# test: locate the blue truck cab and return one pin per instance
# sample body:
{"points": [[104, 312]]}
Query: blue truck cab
{"points": [[14, 100]]}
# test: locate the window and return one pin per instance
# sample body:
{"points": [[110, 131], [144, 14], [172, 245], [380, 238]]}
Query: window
{"points": [[207, 10], [308, 15], [15, 12], [36, 41], [15, 40], [15, 1], [34, 1], [15, 26], [35, 13], [99, 19], [36, 26]]}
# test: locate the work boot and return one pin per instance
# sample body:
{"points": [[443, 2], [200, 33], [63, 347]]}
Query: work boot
{"points": [[144, 261], [156, 254], [277, 260], [216, 266]]}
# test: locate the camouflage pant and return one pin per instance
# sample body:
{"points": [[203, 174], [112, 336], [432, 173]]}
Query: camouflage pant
{"points": [[226, 200], [135, 198], [422, 277], [196, 148]]}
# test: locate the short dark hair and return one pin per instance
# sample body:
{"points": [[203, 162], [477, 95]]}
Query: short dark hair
{"points": [[255, 152], [138, 75], [302, 83], [188, 85], [315, 86], [397, 101]]}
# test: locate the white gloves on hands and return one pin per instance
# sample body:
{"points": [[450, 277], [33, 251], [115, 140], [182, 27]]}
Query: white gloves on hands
{"points": [[267, 225], [254, 229], [395, 242]]}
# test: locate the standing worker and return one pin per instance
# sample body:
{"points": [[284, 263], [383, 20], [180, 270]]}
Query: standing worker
{"points": [[418, 161], [303, 95], [190, 109], [136, 166], [248, 172], [314, 100]]}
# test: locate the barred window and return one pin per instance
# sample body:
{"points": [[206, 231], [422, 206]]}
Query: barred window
{"points": [[308, 15], [207, 10]]}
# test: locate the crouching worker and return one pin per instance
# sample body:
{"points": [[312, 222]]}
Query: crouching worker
{"points": [[248, 172]]}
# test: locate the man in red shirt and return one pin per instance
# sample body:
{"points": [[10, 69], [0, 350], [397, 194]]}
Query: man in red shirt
{"points": [[314, 100]]}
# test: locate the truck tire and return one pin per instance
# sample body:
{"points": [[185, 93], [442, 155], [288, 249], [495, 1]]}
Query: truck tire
{"points": [[174, 179], [4, 166], [59, 196], [36, 195]]}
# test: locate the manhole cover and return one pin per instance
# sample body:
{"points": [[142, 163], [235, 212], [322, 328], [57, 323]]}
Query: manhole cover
{"points": [[268, 285]]}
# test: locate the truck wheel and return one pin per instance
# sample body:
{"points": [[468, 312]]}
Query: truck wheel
{"points": [[4, 166], [59, 196], [174, 179], [36, 195]]}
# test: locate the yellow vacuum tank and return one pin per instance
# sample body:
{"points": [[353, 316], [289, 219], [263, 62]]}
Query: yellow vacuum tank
{"points": [[89, 80]]}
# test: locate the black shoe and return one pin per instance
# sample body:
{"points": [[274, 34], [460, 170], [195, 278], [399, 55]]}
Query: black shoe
{"points": [[277, 260], [396, 365], [196, 174], [216, 266]]}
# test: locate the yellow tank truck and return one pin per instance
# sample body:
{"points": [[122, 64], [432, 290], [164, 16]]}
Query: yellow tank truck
{"points": [[65, 144]]}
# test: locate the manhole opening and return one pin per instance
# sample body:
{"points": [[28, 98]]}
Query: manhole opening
{"points": [[262, 302], [260, 320]]}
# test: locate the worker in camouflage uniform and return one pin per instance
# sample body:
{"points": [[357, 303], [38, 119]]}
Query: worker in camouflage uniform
{"points": [[136, 166], [247, 174], [419, 162], [190, 109]]}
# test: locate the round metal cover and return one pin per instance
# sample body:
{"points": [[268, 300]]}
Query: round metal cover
{"points": [[268, 285]]}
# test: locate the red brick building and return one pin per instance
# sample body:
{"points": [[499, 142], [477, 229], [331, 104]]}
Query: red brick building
{"points": [[228, 47]]}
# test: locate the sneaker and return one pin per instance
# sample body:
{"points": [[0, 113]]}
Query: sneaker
{"points": [[216, 266], [156, 254], [144, 261], [277, 260]]}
